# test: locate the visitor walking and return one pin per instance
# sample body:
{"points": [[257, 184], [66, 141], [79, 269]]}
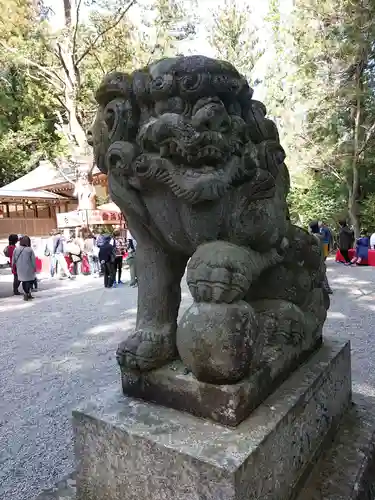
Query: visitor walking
{"points": [[346, 239], [120, 249], [326, 238], [131, 260], [49, 252], [314, 229], [74, 248], [25, 265], [59, 255], [107, 254], [8, 252], [92, 252]]}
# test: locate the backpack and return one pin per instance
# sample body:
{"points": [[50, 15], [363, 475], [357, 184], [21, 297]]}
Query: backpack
{"points": [[6, 251]]}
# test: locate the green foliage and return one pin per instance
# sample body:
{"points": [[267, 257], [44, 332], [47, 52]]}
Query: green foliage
{"points": [[234, 38], [323, 199], [322, 93], [49, 75], [166, 25], [26, 107]]}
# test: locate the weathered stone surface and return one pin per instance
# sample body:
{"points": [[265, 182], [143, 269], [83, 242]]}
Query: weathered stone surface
{"points": [[218, 342], [346, 470], [63, 490], [173, 386], [134, 450], [198, 169]]}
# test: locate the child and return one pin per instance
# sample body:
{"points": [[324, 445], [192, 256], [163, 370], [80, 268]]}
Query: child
{"points": [[107, 254]]}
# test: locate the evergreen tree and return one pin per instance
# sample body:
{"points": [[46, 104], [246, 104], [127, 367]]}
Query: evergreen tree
{"points": [[234, 38], [328, 52]]}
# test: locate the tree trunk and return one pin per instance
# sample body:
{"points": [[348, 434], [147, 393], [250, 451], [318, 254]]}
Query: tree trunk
{"points": [[84, 188], [353, 208], [71, 75], [358, 138]]}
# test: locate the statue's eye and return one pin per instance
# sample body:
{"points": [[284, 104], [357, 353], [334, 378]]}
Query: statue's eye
{"points": [[192, 83], [109, 118]]}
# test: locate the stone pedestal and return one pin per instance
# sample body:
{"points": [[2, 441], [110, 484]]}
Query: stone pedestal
{"points": [[129, 449], [174, 387]]}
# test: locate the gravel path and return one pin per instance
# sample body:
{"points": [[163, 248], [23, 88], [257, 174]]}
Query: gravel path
{"points": [[59, 350]]}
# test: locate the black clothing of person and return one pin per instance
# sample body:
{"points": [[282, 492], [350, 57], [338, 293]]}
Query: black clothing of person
{"points": [[345, 254], [106, 253], [118, 267], [106, 259], [346, 238], [16, 284], [109, 272], [27, 286]]}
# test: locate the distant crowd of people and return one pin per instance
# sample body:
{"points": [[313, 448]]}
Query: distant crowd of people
{"points": [[86, 253], [345, 241], [103, 254]]}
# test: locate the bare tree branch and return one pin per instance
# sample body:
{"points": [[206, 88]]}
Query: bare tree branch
{"points": [[156, 45], [102, 33], [369, 135], [74, 45], [329, 167], [58, 167], [61, 57], [46, 72], [99, 62], [63, 105]]}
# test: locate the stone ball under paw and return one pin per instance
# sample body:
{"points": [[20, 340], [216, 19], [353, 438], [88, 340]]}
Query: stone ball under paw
{"points": [[218, 342]]}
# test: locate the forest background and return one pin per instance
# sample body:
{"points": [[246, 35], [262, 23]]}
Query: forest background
{"points": [[311, 61]]}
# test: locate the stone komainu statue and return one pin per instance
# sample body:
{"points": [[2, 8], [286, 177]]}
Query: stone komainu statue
{"points": [[198, 170]]}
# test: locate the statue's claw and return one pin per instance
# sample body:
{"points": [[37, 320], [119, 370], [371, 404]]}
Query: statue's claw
{"points": [[146, 350]]}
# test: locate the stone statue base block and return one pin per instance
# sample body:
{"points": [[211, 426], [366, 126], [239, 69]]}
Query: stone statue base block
{"points": [[126, 448], [172, 386]]}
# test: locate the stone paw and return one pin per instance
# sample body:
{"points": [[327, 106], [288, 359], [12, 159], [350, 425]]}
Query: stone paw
{"points": [[218, 272], [146, 350]]}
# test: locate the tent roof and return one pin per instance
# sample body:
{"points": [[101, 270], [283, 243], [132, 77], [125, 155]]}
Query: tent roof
{"points": [[9, 194], [43, 175]]}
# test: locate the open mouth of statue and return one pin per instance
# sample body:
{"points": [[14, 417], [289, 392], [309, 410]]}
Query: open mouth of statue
{"points": [[206, 155], [194, 156]]}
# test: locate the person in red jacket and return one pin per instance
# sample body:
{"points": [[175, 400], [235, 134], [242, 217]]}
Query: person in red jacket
{"points": [[8, 252]]}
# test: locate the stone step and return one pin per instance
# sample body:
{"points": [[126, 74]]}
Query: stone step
{"points": [[346, 471]]}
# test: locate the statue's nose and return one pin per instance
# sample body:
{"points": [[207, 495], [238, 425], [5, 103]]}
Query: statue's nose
{"points": [[212, 116]]}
